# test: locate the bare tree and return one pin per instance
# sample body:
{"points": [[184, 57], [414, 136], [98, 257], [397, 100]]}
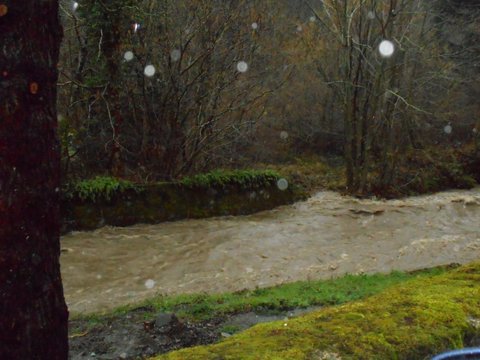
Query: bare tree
{"points": [[390, 75], [203, 97]]}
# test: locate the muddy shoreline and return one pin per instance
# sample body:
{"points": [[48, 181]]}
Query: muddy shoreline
{"points": [[141, 334]]}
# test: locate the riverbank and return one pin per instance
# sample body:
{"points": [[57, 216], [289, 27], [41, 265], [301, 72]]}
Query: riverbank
{"points": [[102, 201], [414, 320], [150, 328], [418, 172]]}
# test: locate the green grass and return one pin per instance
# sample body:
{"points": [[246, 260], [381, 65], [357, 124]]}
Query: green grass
{"points": [[270, 300], [242, 178], [410, 321]]}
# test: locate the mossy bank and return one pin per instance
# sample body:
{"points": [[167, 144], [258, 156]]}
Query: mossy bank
{"points": [[207, 318], [411, 321], [91, 204]]}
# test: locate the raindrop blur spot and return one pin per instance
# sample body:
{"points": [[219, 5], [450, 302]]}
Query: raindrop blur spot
{"points": [[149, 70], [135, 27], [312, 19], [474, 130], [254, 26], [74, 5], [242, 66], [175, 55], [370, 15], [99, 276], [283, 135], [149, 284], [299, 28], [386, 48], [448, 129], [282, 184], [128, 56]]}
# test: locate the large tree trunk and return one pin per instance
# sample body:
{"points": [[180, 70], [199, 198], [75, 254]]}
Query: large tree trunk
{"points": [[33, 313]]}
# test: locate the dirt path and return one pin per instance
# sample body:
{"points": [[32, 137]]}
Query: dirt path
{"points": [[327, 235]]}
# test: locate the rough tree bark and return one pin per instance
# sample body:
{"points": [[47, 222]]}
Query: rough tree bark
{"points": [[33, 313]]}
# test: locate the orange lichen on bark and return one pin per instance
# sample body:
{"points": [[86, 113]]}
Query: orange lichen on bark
{"points": [[33, 88], [3, 9]]}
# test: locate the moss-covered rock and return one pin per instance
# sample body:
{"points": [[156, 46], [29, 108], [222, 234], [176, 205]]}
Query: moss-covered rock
{"points": [[412, 321]]}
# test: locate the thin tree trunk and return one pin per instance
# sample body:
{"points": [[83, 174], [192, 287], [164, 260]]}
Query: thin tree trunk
{"points": [[33, 313]]}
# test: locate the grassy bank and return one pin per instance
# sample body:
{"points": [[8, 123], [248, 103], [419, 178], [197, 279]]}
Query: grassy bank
{"points": [[302, 294], [409, 321]]}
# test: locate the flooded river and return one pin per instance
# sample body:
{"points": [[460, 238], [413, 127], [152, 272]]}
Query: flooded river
{"points": [[327, 235]]}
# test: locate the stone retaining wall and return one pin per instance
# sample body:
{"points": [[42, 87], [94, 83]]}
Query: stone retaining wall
{"points": [[166, 202]]}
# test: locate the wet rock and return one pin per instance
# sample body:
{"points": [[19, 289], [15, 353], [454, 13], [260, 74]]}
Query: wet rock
{"points": [[168, 322], [165, 319], [367, 212]]}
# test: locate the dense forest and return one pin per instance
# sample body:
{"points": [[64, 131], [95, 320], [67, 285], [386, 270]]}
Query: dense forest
{"points": [[157, 90]]}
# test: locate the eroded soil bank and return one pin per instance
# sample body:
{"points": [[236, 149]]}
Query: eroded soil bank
{"points": [[326, 236]]}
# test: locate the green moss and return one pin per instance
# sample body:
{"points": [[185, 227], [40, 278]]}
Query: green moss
{"points": [[411, 321], [100, 187], [241, 178]]}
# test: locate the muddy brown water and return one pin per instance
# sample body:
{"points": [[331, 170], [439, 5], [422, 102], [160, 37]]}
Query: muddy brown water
{"points": [[326, 236]]}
